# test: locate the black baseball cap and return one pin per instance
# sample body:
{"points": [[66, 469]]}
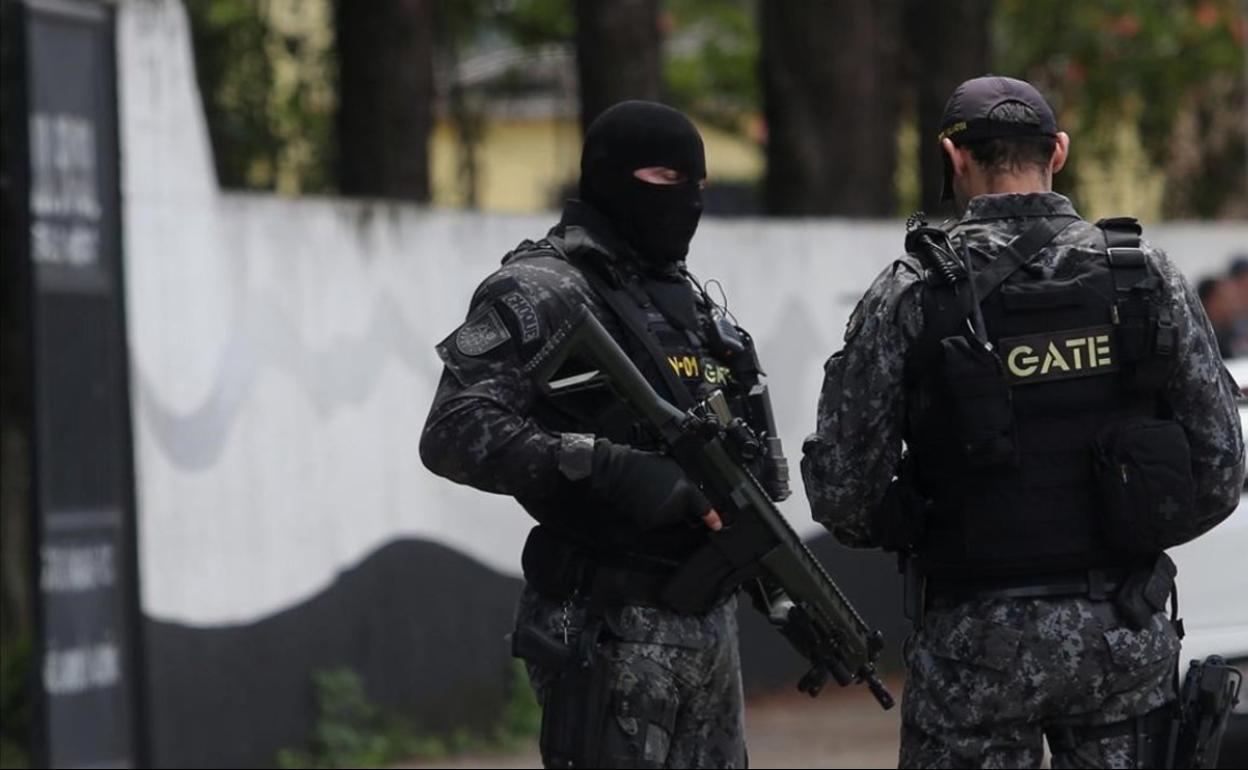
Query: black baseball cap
{"points": [[967, 114]]}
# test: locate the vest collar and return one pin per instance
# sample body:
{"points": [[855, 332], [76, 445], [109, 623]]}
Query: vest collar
{"points": [[585, 229], [1013, 205]]}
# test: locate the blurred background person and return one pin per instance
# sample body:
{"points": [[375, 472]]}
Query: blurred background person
{"points": [[1219, 296], [1235, 310]]}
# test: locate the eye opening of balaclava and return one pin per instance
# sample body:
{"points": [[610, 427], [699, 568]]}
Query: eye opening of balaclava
{"points": [[657, 220]]}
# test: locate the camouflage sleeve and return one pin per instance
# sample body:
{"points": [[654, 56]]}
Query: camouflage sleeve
{"points": [[1201, 396], [479, 431], [853, 454]]}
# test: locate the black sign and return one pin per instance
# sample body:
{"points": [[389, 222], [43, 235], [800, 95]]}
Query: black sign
{"points": [[83, 483]]}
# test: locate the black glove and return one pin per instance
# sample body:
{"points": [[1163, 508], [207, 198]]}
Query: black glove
{"points": [[649, 488]]}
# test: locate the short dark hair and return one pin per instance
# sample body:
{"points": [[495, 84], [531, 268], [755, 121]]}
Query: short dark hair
{"points": [[1239, 265], [1014, 153]]}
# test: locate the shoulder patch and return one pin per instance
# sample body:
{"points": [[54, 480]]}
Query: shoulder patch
{"points": [[481, 334], [526, 316]]}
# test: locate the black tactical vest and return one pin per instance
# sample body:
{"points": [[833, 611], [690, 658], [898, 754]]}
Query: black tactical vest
{"points": [[681, 346], [1001, 441], [666, 329]]}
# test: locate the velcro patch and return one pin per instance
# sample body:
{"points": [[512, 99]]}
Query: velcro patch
{"points": [[481, 334], [690, 367], [526, 316], [1060, 355]]}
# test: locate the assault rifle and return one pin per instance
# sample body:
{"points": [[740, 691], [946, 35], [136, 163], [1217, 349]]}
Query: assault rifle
{"points": [[756, 545]]}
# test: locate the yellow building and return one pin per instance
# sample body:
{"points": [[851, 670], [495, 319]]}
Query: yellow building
{"points": [[524, 164]]}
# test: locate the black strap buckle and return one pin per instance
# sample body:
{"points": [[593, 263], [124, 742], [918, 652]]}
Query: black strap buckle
{"points": [[1167, 337], [1120, 224], [1126, 256], [1122, 247]]}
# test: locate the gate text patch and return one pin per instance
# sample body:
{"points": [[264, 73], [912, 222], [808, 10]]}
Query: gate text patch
{"points": [[1060, 355]]}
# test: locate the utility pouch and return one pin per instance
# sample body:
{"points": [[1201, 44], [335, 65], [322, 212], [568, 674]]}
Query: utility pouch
{"points": [[1146, 592], [775, 473], [1144, 475], [897, 524], [553, 568], [983, 414]]}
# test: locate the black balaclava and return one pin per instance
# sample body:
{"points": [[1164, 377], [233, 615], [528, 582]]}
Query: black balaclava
{"points": [[656, 220]]}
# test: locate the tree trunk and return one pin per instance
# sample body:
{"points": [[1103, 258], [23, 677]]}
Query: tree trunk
{"points": [[950, 43], [385, 56], [830, 97], [617, 53]]}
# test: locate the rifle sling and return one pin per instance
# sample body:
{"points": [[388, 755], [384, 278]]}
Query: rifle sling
{"points": [[626, 309]]}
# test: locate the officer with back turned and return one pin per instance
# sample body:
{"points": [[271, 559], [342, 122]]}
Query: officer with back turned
{"points": [[623, 680], [1065, 417]]}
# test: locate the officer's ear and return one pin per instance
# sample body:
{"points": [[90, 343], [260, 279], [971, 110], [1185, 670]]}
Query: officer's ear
{"points": [[957, 158], [1060, 152]]}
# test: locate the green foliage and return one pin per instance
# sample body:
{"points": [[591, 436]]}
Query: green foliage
{"points": [[268, 85], [351, 731], [1153, 63], [15, 662], [537, 22], [522, 716], [523, 22], [1153, 90], [234, 77], [710, 67], [1094, 56]]}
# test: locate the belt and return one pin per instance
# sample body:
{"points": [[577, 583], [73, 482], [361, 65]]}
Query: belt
{"points": [[561, 570], [1096, 584]]}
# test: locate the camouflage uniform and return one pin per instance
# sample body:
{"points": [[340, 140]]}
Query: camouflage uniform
{"points": [[674, 679], [688, 663], [986, 678]]}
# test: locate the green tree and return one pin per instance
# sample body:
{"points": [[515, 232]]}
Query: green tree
{"points": [[710, 68], [1170, 71], [234, 76], [268, 87]]}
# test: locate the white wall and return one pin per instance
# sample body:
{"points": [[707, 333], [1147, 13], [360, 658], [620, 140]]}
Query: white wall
{"points": [[283, 362]]}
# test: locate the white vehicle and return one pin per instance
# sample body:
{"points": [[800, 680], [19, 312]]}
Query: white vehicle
{"points": [[1213, 597]]}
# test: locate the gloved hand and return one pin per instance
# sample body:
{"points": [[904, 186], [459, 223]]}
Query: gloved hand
{"points": [[649, 488]]}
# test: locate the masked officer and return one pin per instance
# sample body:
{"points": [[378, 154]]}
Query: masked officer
{"points": [[1065, 416], [623, 680]]}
